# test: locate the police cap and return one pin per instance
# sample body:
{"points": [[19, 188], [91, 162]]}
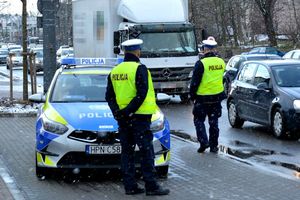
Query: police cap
{"points": [[210, 42], [132, 44]]}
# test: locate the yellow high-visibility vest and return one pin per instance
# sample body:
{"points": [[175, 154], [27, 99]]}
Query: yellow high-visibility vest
{"points": [[123, 81], [212, 79]]}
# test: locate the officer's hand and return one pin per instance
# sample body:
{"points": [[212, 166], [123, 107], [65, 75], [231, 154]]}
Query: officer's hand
{"points": [[119, 115]]}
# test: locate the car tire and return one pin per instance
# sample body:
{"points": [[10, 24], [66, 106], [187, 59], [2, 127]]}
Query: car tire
{"points": [[185, 98], [226, 86], [40, 172], [278, 124], [162, 171], [233, 117]]}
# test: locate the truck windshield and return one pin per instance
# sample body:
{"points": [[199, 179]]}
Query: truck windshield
{"points": [[165, 44]]}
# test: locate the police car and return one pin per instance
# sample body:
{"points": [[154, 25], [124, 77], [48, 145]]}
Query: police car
{"points": [[75, 128]]}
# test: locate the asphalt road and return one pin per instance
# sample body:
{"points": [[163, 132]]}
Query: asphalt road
{"points": [[253, 143]]}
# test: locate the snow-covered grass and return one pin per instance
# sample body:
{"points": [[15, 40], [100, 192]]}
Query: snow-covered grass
{"points": [[17, 107]]}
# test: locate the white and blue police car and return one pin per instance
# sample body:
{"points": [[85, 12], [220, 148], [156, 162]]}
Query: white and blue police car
{"points": [[75, 128]]}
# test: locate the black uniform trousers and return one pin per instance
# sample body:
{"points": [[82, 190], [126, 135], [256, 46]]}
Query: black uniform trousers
{"points": [[213, 111], [135, 131]]}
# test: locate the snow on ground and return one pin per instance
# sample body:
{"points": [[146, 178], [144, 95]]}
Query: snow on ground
{"points": [[7, 107]]}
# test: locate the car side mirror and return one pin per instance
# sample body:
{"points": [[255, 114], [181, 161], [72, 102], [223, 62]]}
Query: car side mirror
{"points": [[263, 86], [38, 98], [117, 50]]}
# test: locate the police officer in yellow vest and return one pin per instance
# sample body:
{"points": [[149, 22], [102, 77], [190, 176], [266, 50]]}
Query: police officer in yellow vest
{"points": [[131, 98], [207, 92]]}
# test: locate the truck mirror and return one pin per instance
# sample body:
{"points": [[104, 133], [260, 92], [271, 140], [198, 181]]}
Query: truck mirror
{"points": [[117, 50], [116, 38]]}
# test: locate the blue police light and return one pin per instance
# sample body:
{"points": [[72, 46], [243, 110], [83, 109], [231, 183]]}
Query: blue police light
{"points": [[92, 61]]}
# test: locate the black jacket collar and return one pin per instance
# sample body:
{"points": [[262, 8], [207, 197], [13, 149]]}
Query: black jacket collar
{"points": [[131, 58]]}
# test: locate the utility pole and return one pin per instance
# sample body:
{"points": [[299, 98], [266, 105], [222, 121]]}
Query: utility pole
{"points": [[48, 9]]}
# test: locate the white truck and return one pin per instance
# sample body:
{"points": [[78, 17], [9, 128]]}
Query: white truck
{"points": [[169, 49]]}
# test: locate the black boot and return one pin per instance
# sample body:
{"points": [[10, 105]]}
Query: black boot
{"points": [[202, 148], [136, 190], [158, 191]]}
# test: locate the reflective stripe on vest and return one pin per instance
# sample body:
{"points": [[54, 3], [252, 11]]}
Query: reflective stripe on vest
{"points": [[123, 81], [212, 79]]}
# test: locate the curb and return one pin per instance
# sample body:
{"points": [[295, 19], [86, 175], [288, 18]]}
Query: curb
{"points": [[30, 114], [184, 135], [4, 191]]}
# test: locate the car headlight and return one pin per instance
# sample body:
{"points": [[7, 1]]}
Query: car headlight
{"points": [[191, 74], [158, 124], [53, 127], [297, 105]]}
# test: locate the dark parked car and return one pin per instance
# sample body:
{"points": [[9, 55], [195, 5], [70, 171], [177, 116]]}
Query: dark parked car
{"points": [[267, 92], [3, 56], [294, 54], [265, 50], [235, 62]]}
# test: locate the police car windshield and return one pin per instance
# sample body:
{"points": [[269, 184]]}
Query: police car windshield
{"points": [[79, 88]]}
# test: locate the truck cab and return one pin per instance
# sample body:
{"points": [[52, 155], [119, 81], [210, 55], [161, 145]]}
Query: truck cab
{"points": [[169, 50]]}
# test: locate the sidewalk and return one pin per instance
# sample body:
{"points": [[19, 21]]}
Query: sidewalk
{"points": [[200, 176], [4, 192]]}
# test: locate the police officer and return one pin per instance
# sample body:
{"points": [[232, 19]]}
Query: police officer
{"points": [[131, 98], [207, 92]]}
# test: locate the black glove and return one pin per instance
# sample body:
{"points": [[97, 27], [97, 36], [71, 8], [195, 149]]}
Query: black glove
{"points": [[119, 115]]}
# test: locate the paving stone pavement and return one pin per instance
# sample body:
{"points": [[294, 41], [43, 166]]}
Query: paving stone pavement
{"points": [[192, 175]]}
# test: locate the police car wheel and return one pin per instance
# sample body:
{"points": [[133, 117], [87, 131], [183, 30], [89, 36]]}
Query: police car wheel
{"points": [[162, 171], [40, 172]]}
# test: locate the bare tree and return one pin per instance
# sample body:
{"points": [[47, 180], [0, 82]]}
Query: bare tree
{"points": [[296, 19], [24, 41], [267, 7]]}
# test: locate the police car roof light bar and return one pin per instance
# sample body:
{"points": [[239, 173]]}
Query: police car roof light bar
{"points": [[105, 62]]}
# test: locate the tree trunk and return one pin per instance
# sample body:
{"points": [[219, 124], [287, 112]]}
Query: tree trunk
{"points": [[233, 23], [24, 41], [266, 7]]}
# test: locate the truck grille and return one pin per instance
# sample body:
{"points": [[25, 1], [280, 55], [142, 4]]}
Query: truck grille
{"points": [[170, 74]]}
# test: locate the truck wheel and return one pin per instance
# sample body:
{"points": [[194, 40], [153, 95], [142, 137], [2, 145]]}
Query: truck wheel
{"points": [[162, 171], [233, 117], [185, 98]]}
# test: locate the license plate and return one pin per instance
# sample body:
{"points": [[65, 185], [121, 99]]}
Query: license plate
{"points": [[103, 149]]}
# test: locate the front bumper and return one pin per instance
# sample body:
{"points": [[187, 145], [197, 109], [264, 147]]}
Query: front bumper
{"points": [[172, 87], [293, 119], [64, 152]]}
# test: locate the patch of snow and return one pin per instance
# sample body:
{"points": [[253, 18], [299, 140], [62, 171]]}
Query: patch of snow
{"points": [[7, 107]]}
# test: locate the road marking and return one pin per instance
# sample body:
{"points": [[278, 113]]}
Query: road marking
{"points": [[10, 182]]}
